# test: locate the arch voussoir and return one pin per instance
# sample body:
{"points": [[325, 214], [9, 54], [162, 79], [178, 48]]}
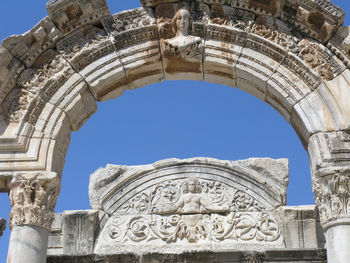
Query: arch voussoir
{"points": [[135, 38]]}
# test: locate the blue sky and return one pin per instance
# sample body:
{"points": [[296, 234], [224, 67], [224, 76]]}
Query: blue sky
{"points": [[178, 119]]}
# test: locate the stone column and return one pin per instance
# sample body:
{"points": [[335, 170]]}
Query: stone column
{"points": [[33, 198], [332, 194]]}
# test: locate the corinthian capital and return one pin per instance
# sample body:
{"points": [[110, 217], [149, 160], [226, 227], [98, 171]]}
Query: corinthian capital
{"points": [[332, 195], [33, 199]]}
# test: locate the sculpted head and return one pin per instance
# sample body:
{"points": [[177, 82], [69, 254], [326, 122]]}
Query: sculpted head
{"points": [[182, 22], [193, 186]]}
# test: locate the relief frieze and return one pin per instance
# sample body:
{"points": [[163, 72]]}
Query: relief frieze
{"points": [[47, 75], [84, 46], [131, 27], [231, 17], [190, 210]]}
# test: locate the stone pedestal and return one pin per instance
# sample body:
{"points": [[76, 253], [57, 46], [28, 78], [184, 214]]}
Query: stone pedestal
{"points": [[338, 243], [28, 244]]}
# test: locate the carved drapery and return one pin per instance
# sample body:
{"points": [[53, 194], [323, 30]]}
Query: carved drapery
{"points": [[33, 199]]}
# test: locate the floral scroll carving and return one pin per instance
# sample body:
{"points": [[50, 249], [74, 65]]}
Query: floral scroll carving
{"points": [[287, 41], [33, 201], [191, 211], [332, 195], [316, 57]]}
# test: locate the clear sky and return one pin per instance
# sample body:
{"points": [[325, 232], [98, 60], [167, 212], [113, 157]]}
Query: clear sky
{"points": [[178, 119]]}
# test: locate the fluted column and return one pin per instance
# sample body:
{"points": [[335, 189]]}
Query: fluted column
{"points": [[33, 198], [332, 194]]}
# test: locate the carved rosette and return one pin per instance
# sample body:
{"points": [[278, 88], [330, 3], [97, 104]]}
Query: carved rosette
{"points": [[332, 195], [33, 200]]}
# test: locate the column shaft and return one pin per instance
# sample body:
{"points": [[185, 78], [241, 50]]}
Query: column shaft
{"points": [[28, 244], [338, 244]]}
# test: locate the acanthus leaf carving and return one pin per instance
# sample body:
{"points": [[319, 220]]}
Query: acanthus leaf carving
{"points": [[318, 59], [33, 201], [332, 195]]}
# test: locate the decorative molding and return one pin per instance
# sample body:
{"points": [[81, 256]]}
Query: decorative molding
{"points": [[33, 199], [190, 210], [332, 195], [68, 15]]}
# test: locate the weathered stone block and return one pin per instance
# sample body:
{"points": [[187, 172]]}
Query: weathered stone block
{"points": [[71, 14], [10, 69], [319, 19], [78, 232], [29, 46], [136, 41]]}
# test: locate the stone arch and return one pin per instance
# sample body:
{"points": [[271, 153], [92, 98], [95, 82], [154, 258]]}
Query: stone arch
{"points": [[294, 55]]}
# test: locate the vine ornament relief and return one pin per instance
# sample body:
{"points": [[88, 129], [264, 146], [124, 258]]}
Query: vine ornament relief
{"points": [[192, 210]]}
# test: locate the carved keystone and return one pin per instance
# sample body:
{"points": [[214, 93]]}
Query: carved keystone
{"points": [[33, 199], [71, 14]]}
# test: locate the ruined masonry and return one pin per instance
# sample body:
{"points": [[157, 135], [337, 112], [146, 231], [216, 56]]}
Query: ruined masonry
{"points": [[292, 54], [192, 210]]}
